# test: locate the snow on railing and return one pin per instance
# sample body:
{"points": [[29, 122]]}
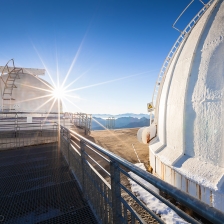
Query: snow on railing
{"points": [[175, 47]]}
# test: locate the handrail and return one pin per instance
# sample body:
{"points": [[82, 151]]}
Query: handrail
{"points": [[202, 2], [20, 135], [18, 112], [180, 16], [174, 49], [196, 205]]}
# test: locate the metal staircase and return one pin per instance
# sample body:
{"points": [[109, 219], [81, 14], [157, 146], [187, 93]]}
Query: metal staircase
{"points": [[11, 73]]}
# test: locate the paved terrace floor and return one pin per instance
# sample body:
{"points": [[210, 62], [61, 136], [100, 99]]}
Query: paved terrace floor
{"points": [[36, 186]]}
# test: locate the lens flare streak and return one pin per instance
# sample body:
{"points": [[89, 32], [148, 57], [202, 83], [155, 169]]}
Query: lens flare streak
{"points": [[60, 92]]}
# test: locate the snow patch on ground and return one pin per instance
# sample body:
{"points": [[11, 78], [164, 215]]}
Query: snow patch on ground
{"points": [[154, 204]]}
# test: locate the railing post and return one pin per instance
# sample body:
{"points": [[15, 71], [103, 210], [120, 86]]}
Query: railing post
{"points": [[82, 146], [56, 132], [69, 142], [16, 127], [15, 136], [60, 131], [115, 192], [41, 129]]}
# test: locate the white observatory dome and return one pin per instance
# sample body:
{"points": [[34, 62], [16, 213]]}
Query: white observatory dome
{"points": [[22, 90], [188, 151]]}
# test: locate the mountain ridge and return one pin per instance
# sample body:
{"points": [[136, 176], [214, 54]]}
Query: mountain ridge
{"points": [[121, 122], [104, 116]]}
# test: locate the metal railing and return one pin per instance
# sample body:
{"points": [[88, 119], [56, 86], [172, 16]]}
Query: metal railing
{"points": [[24, 134], [102, 174], [18, 129], [15, 118], [171, 54], [81, 120]]}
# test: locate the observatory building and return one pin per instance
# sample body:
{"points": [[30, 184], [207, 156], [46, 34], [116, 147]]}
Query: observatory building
{"points": [[188, 149], [22, 90]]}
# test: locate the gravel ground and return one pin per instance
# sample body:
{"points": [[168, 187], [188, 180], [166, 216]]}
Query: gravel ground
{"points": [[119, 141]]}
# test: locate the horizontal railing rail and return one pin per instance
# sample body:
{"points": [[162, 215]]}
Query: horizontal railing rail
{"points": [[15, 135], [65, 119], [100, 174]]}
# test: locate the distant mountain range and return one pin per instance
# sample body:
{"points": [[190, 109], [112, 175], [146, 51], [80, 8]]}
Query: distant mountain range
{"points": [[104, 116], [99, 123]]}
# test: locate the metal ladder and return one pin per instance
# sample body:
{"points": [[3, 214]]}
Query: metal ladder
{"points": [[175, 47], [12, 74]]}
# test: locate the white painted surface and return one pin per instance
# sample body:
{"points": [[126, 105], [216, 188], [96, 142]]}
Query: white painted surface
{"points": [[190, 116], [32, 94], [29, 119], [146, 133]]}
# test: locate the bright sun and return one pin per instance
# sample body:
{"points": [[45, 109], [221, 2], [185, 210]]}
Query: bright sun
{"points": [[58, 93]]}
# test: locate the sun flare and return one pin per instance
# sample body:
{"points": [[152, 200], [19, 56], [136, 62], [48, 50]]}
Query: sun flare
{"points": [[58, 93]]}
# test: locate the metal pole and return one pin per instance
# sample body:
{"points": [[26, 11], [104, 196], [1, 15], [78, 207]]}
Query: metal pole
{"points": [[202, 2], [180, 16], [16, 126], [69, 141], [115, 192], [41, 130], [82, 145]]}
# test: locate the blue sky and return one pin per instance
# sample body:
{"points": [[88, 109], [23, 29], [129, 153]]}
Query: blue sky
{"points": [[122, 41]]}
